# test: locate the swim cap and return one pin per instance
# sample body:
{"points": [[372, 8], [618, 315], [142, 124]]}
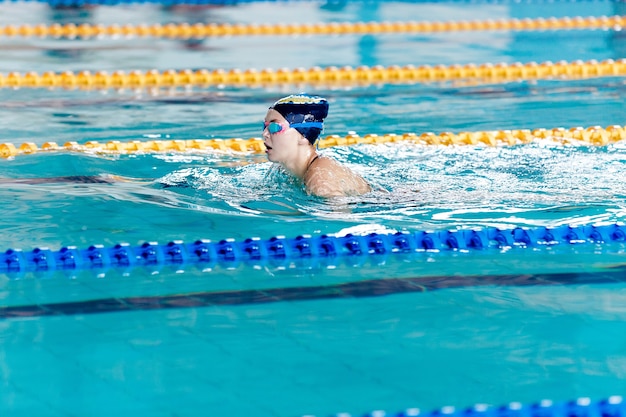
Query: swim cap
{"points": [[303, 108]]}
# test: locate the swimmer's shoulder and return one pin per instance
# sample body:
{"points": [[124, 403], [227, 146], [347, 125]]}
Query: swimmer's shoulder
{"points": [[328, 167], [328, 178]]}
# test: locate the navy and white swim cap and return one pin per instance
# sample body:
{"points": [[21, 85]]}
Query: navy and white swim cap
{"points": [[304, 109]]}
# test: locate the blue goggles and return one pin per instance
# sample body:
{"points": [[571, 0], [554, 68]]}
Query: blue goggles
{"points": [[275, 127]]}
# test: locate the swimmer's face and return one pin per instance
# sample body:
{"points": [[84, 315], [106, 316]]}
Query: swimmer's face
{"points": [[282, 145]]}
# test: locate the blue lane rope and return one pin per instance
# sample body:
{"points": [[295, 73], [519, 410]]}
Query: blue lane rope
{"points": [[255, 251], [582, 407]]}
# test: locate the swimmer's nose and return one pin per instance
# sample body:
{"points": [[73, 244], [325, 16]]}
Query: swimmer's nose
{"points": [[266, 137]]}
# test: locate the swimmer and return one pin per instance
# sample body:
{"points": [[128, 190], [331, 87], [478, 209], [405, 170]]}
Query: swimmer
{"points": [[292, 126]]}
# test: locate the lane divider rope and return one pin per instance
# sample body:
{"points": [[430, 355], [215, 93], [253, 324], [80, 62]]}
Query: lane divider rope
{"points": [[328, 76], [205, 30], [328, 249], [612, 406], [593, 136]]}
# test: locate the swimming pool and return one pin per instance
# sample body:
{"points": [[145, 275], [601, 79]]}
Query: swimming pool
{"points": [[346, 334]]}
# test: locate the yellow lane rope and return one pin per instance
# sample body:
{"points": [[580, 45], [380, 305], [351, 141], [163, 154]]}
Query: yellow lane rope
{"points": [[204, 30], [594, 136], [329, 76]]}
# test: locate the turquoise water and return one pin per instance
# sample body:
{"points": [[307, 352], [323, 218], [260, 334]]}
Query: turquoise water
{"points": [[345, 335]]}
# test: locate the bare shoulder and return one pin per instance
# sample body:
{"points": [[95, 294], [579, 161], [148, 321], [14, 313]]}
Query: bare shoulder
{"points": [[328, 178]]}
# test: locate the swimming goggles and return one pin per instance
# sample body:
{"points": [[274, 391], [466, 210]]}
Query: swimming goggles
{"points": [[275, 127]]}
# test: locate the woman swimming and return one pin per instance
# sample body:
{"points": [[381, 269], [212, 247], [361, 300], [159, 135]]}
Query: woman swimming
{"points": [[292, 126]]}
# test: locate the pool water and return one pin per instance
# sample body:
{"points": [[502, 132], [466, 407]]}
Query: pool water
{"points": [[423, 330]]}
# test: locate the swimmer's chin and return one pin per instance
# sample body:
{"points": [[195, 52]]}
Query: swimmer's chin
{"points": [[268, 153]]}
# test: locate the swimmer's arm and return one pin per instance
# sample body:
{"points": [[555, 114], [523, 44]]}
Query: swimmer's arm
{"points": [[74, 179], [77, 179]]}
